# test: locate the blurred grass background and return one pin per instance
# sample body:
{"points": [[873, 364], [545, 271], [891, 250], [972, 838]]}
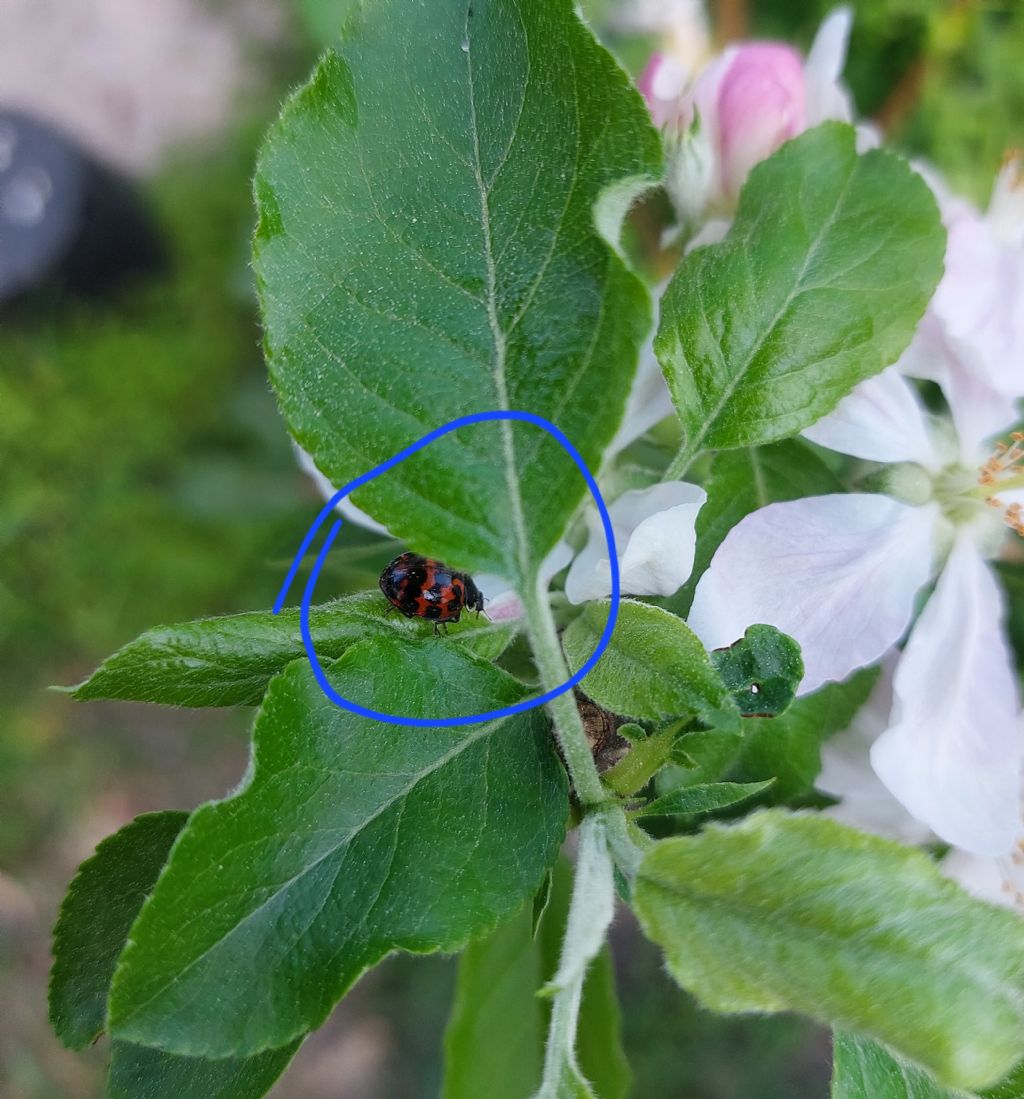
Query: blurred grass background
{"points": [[145, 477]]}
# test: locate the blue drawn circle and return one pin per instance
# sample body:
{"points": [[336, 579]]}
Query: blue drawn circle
{"points": [[328, 508]]}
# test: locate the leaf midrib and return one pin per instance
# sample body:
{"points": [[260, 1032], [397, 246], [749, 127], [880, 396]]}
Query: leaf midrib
{"points": [[466, 742], [498, 336]]}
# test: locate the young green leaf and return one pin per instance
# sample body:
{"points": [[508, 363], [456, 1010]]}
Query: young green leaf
{"points": [[705, 798], [1010, 1087], [437, 214], [494, 1044], [744, 480], [705, 755], [101, 905], [349, 839], [788, 748], [862, 1069], [795, 912], [654, 668], [643, 760], [762, 670], [229, 661], [820, 283]]}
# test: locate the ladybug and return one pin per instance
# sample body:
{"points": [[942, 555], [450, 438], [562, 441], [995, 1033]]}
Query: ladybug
{"points": [[423, 588]]}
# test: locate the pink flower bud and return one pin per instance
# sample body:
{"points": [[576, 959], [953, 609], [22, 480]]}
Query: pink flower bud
{"points": [[761, 104]]}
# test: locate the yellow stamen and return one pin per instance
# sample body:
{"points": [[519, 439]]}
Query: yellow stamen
{"points": [[1004, 470]]}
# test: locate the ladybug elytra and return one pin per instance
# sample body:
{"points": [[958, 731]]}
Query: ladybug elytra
{"points": [[423, 588]]}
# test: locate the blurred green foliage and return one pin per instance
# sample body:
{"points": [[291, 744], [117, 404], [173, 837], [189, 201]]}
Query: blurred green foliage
{"points": [[145, 478], [118, 506]]}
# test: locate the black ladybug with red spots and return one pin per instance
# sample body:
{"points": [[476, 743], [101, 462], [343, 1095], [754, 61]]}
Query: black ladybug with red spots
{"points": [[423, 588]]}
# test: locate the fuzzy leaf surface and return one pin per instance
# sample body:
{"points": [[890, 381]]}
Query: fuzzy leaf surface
{"points": [[819, 284], [349, 839], [229, 660], [862, 1069], [795, 912], [655, 666], [435, 215]]}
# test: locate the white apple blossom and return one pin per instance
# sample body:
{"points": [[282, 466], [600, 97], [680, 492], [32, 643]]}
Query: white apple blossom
{"points": [[865, 803], [842, 574]]}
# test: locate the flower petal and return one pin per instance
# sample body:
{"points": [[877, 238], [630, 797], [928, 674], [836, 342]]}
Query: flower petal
{"points": [[846, 772], [649, 401], [345, 508], [983, 877], [952, 755], [503, 601], [837, 573], [655, 537], [881, 420], [761, 105], [826, 97], [662, 84]]}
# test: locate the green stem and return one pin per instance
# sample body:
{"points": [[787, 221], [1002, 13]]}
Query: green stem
{"points": [[681, 462], [547, 654], [590, 914]]}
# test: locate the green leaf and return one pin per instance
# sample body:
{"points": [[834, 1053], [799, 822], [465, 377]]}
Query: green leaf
{"points": [[820, 284], [437, 214], [744, 480], [762, 670], [862, 1069], [599, 1033], [349, 839], [101, 905], [865, 1070], [1010, 1087], [229, 661], [494, 1044], [795, 912], [1011, 575], [705, 754], [644, 759], [788, 748], [137, 1072], [655, 667], [705, 798]]}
